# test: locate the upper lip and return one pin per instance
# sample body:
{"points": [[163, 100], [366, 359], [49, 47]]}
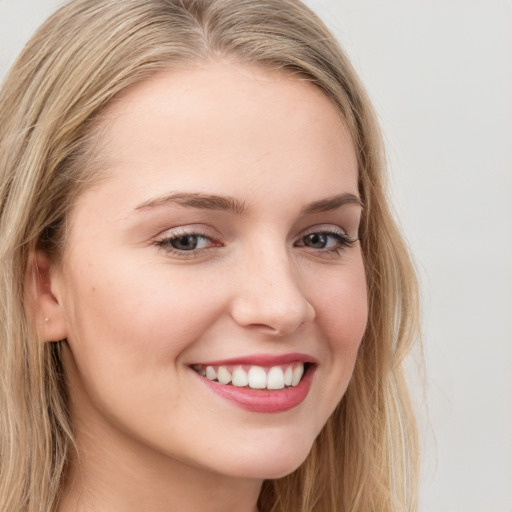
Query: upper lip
{"points": [[262, 360]]}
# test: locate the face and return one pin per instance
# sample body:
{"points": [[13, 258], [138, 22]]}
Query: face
{"points": [[216, 261]]}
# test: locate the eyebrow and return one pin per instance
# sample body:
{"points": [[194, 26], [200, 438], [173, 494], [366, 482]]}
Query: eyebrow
{"points": [[196, 200], [227, 203], [332, 203]]}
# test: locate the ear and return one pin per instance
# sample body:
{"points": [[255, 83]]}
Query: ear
{"points": [[44, 308]]}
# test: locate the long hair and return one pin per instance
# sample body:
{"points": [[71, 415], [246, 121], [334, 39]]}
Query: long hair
{"points": [[365, 459]]}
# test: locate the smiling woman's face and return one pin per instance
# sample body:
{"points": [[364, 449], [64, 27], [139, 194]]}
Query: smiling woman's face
{"points": [[222, 244]]}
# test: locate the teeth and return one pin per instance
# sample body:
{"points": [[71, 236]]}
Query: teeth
{"points": [[257, 377], [240, 378], [275, 378], [223, 375], [297, 374], [211, 373], [288, 376]]}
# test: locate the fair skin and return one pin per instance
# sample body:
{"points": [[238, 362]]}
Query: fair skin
{"points": [[156, 281]]}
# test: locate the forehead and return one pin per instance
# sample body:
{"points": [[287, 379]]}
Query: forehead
{"points": [[213, 96], [226, 127]]}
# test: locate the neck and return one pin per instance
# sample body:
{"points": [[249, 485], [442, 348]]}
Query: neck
{"points": [[110, 475]]}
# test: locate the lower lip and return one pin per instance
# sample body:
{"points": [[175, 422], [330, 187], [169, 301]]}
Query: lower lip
{"points": [[263, 400]]}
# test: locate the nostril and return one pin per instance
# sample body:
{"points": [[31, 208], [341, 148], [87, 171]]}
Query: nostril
{"points": [[276, 306]]}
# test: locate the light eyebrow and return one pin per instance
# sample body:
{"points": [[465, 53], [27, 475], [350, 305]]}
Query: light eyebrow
{"points": [[196, 200], [332, 203]]}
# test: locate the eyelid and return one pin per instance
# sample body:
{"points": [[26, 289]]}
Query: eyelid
{"points": [[162, 241], [327, 228], [189, 229], [342, 241]]}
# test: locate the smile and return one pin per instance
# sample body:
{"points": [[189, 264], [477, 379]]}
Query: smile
{"points": [[260, 384], [253, 376]]}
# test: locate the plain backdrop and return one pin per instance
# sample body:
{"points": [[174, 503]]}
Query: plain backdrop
{"points": [[440, 75]]}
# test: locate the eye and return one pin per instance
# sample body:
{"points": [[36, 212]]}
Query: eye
{"points": [[317, 240], [326, 241], [188, 242], [183, 242]]}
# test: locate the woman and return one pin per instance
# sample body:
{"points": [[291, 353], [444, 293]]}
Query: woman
{"points": [[206, 302]]}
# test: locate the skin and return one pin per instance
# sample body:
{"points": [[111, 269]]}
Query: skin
{"points": [[150, 435]]}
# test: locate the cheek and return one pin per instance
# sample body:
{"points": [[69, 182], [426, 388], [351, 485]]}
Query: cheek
{"points": [[127, 334], [341, 306], [342, 309], [143, 308]]}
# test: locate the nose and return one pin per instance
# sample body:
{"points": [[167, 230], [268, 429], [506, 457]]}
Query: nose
{"points": [[269, 297]]}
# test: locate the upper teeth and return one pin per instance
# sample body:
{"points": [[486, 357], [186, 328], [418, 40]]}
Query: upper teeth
{"points": [[256, 377]]}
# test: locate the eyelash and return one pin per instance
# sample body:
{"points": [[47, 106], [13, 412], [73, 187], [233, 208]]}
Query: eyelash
{"points": [[343, 242], [165, 243]]}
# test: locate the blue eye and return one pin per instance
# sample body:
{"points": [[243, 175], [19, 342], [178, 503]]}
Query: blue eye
{"points": [[316, 240], [185, 243], [326, 241]]}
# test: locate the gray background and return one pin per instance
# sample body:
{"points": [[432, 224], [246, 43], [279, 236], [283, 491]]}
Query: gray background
{"points": [[440, 75]]}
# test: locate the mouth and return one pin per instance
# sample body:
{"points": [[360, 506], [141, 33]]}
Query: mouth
{"points": [[260, 384], [255, 376]]}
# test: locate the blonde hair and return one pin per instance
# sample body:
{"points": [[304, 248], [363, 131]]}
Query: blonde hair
{"points": [[365, 459]]}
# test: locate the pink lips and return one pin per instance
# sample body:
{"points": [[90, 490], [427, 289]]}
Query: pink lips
{"points": [[263, 400], [264, 360]]}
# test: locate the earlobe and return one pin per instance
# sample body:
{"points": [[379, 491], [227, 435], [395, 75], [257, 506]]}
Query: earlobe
{"points": [[43, 305]]}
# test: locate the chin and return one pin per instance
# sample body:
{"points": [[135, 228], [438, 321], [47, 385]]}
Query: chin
{"points": [[269, 462]]}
